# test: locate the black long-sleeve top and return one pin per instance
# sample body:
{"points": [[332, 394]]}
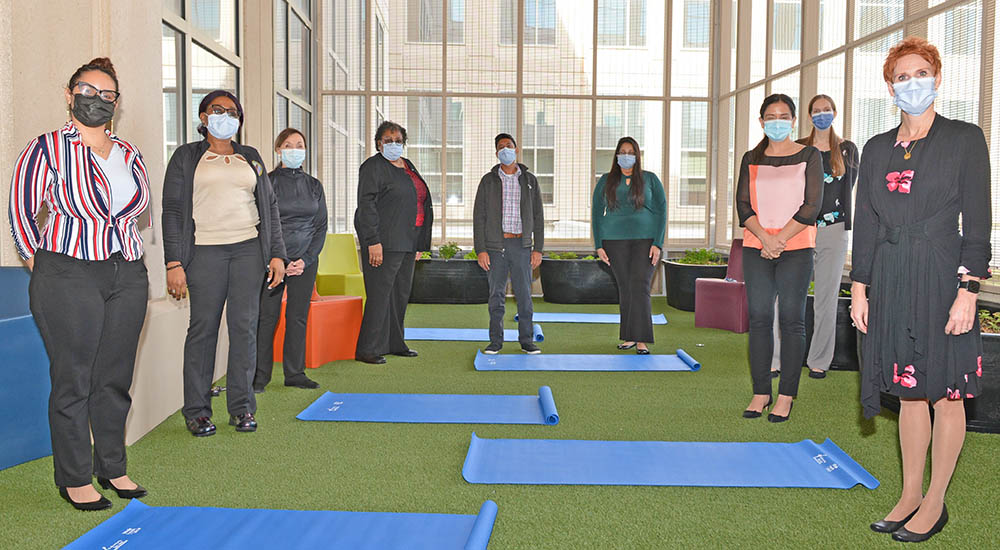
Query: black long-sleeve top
{"points": [[302, 205], [838, 191], [387, 208]]}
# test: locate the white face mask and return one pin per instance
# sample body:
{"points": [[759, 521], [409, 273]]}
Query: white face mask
{"points": [[222, 126]]}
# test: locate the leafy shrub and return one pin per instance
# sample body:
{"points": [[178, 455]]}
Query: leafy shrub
{"points": [[448, 251], [563, 255], [425, 255], [470, 256], [989, 322], [589, 257], [701, 256]]}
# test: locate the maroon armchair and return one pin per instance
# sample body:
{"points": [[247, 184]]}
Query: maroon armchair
{"points": [[722, 303]]}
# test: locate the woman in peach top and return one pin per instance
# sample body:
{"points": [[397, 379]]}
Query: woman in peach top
{"points": [[778, 196]]}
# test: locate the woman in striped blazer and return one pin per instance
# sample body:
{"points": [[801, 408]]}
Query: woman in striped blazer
{"points": [[89, 285]]}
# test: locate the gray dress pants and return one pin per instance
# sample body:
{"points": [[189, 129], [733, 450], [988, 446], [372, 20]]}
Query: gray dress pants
{"points": [[513, 261], [828, 269]]}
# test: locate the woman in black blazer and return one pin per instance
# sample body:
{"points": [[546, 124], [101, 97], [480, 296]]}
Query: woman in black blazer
{"points": [[393, 222]]}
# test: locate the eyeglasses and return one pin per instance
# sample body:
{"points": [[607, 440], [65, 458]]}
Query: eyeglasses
{"points": [[387, 141], [219, 110], [89, 90]]}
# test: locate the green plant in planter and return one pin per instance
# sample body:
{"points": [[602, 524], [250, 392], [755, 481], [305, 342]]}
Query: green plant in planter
{"points": [[470, 255], [701, 256], [426, 255], [563, 256], [448, 251], [589, 257], [843, 293], [989, 322]]}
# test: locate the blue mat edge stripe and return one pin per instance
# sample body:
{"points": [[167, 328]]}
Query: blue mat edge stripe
{"points": [[479, 535], [694, 365], [657, 318]]}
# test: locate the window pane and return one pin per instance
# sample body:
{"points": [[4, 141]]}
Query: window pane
{"points": [[174, 6], [343, 151], [280, 114], [958, 32], [173, 71], [690, 66], [872, 109], [539, 138], [280, 44], [873, 15], [611, 18], [560, 65], [209, 73], [758, 48], [344, 44], [539, 22], [424, 20], [300, 119], [479, 64], [638, 68], [298, 58], [787, 35], [789, 85], [688, 187], [423, 126], [832, 24], [303, 6], [416, 64], [217, 18], [571, 182], [642, 120]]}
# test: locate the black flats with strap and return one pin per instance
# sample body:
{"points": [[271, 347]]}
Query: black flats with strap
{"points": [[99, 504], [138, 492]]}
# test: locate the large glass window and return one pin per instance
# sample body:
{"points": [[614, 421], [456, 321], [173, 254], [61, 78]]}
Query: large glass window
{"points": [[621, 22], [174, 126], [217, 18], [293, 46], [697, 23], [425, 18]]}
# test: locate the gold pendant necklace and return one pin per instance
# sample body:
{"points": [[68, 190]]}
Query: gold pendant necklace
{"points": [[907, 152]]}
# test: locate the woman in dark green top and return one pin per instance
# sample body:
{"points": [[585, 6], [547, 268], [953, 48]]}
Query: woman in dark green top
{"points": [[629, 218]]}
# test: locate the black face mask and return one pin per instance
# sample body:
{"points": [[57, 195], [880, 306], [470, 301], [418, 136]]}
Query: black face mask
{"points": [[92, 112]]}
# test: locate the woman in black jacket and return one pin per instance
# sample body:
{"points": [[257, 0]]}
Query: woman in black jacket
{"points": [[302, 205], [221, 239], [393, 222]]}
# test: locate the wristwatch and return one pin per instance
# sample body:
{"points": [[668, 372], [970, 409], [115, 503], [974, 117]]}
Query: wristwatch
{"points": [[971, 286]]}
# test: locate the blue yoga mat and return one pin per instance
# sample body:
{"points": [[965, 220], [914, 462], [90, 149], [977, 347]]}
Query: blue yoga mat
{"points": [[606, 318], [465, 334], [621, 362], [169, 528], [435, 408], [679, 463]]}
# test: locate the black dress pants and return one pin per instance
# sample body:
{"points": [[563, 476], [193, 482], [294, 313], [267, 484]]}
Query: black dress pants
{"points": [[786, 277], [230, 276], [630, 264], [388, 290], [293, 361], [89, 315]]}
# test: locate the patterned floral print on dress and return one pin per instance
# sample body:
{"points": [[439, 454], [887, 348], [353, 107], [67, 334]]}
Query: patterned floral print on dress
{"points": [[828, 178], [906, 379], [954, 394], [900, 181], [979, 366]]}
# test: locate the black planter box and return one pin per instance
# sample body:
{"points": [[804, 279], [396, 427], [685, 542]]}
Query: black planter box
{"points": [[680, 279], [845, 348], [455, 281], [577, 282], [982, 414]]}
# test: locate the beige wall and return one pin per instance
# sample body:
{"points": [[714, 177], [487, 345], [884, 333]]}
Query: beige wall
{"points": [[34, 72]]}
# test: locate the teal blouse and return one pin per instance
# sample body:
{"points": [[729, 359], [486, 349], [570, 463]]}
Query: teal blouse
{"points": [[625, 222]]}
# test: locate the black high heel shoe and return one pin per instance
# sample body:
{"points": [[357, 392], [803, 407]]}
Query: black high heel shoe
{"points": [[886, 526], [775, 418], [756, 414], [138, 492], [99, 504], [903, 535]]}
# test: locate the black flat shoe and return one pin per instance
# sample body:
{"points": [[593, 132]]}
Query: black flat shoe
{"points": [[407, 353], [886, 526], [775, 374], [903, 535], [301, 382], [375, 360], [244, 422], [775, 418], [201, 426], [640, 351], [138, 492], [818, 374], [756, 414], [216, 391], [624, 347], [99, 504]]}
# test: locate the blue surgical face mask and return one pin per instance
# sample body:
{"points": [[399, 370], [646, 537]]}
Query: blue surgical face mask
{"points": [[915, 95], [777, 130], [823, 120], [392, 151], [507, 155], [293, 158], [626, 161], [222, 126]]}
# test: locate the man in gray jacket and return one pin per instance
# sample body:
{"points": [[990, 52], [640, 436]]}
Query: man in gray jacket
{"points": [[508, 229]]}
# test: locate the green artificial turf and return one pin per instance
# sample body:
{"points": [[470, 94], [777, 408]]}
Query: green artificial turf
{"points": [[290, 464]]}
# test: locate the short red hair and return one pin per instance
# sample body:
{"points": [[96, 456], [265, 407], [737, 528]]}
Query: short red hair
{"points": [[911, 45]]}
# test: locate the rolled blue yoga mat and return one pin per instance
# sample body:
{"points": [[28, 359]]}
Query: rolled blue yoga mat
{"points": [[466, 334], [170, 528], [435, 408], [605, 318], [624, 362], [677, 463]]}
